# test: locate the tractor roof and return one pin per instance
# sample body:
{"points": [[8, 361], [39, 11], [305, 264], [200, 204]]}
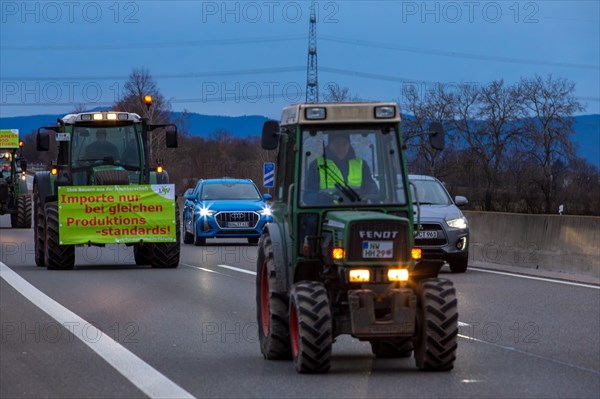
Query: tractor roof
{"points": [[100, 116], [331, 113]]}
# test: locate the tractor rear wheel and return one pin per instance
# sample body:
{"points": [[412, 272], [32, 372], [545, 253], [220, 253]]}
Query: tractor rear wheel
{"points": [[437, 321], [57, 256], [39, 229], [24, 211], [271, 305], [165, 255], [310, 327]]}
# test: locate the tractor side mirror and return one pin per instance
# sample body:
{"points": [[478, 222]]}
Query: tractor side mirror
{"points": [[171, 136], [24, 165], [42, 141], [270, 135], [437, 135]]}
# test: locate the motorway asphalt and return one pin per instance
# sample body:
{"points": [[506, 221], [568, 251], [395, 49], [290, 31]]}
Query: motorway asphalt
{"points": [[195, 328]]}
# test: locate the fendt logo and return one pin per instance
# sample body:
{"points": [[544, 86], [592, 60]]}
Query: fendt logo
{"points": [[377, 234]]}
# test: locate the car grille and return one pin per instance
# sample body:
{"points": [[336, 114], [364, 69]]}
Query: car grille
{"points": [[355, 248], [225, 219], [431, 227]]}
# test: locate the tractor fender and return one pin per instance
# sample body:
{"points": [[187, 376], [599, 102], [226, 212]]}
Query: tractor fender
{"points": [[279, 256], [41, 180]]}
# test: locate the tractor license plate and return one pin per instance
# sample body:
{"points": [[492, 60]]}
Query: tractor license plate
{"points": [[378, 249], [237, 225], [427, 234]]}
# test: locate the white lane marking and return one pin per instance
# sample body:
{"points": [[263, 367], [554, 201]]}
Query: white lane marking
{"points": [[512, 349], [139, 373], [237, 269], [550, 280]]}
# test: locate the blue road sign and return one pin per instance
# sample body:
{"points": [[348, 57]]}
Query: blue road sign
{"points": [[269, 174]]}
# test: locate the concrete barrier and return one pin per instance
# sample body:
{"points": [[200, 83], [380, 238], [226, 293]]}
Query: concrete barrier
{"points": [[568, 244]]}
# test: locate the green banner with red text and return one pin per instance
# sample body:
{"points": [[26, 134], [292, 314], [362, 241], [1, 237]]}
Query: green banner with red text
{"points": [[116, 214], [9, 138]]}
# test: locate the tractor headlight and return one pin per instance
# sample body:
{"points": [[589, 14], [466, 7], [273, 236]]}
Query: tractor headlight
{"points": [[359, 276], [398, 274], [458, 223]]}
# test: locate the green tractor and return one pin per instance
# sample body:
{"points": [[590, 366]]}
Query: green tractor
{"points": [[15, 197], [339, 257], [97, 149]]}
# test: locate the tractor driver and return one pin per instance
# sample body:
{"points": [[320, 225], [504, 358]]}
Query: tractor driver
{"points": [[340, 165], [101, 148]]}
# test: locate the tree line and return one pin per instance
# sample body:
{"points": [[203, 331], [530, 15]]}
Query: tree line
{"points": [[508, 148]]}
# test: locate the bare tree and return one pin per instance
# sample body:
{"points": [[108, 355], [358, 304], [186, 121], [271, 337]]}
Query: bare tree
{"points": [[550, 103], [140, 84], [492, 128], [436, 106], [337, 94]]}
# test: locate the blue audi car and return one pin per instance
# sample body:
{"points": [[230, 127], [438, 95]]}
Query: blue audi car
{"points": [[220, 208]]}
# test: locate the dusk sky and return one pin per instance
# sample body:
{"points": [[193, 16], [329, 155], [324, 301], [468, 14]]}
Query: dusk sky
{"points": [[243, 58]]}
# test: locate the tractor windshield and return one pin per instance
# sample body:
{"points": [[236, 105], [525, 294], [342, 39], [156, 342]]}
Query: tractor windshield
{"points": [[351, 167], [99, 145]]}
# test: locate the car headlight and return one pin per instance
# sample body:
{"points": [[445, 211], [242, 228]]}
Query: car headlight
{"points": [[206, 212], [458, 223], [266, 211]]}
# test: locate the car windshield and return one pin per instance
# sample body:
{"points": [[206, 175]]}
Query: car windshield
{"points": [[229, 192], [115, 145], [431, 192], [351, 167]]}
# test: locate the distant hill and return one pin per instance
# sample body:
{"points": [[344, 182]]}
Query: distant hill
{"points": [[587, 128], [198, 125]]}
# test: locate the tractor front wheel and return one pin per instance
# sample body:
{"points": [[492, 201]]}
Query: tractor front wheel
{"points": [[310, 327], [435, 344], [57, 256]]}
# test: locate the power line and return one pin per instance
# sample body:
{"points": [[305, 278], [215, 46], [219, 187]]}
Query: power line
{"points": [[454, 54], [183, 75], [153, 45], [326, 38]]}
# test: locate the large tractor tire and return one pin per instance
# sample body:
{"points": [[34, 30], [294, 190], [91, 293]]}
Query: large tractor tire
{"points": [[39, 229], [165, 255], [57, 256], [142, 254], [392, 347], [24, 211], [437, 318], [310, 327], [271, 306]]}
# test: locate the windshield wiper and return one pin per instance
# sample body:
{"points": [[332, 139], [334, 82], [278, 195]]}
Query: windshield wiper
{"points": [[340, 184]]}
